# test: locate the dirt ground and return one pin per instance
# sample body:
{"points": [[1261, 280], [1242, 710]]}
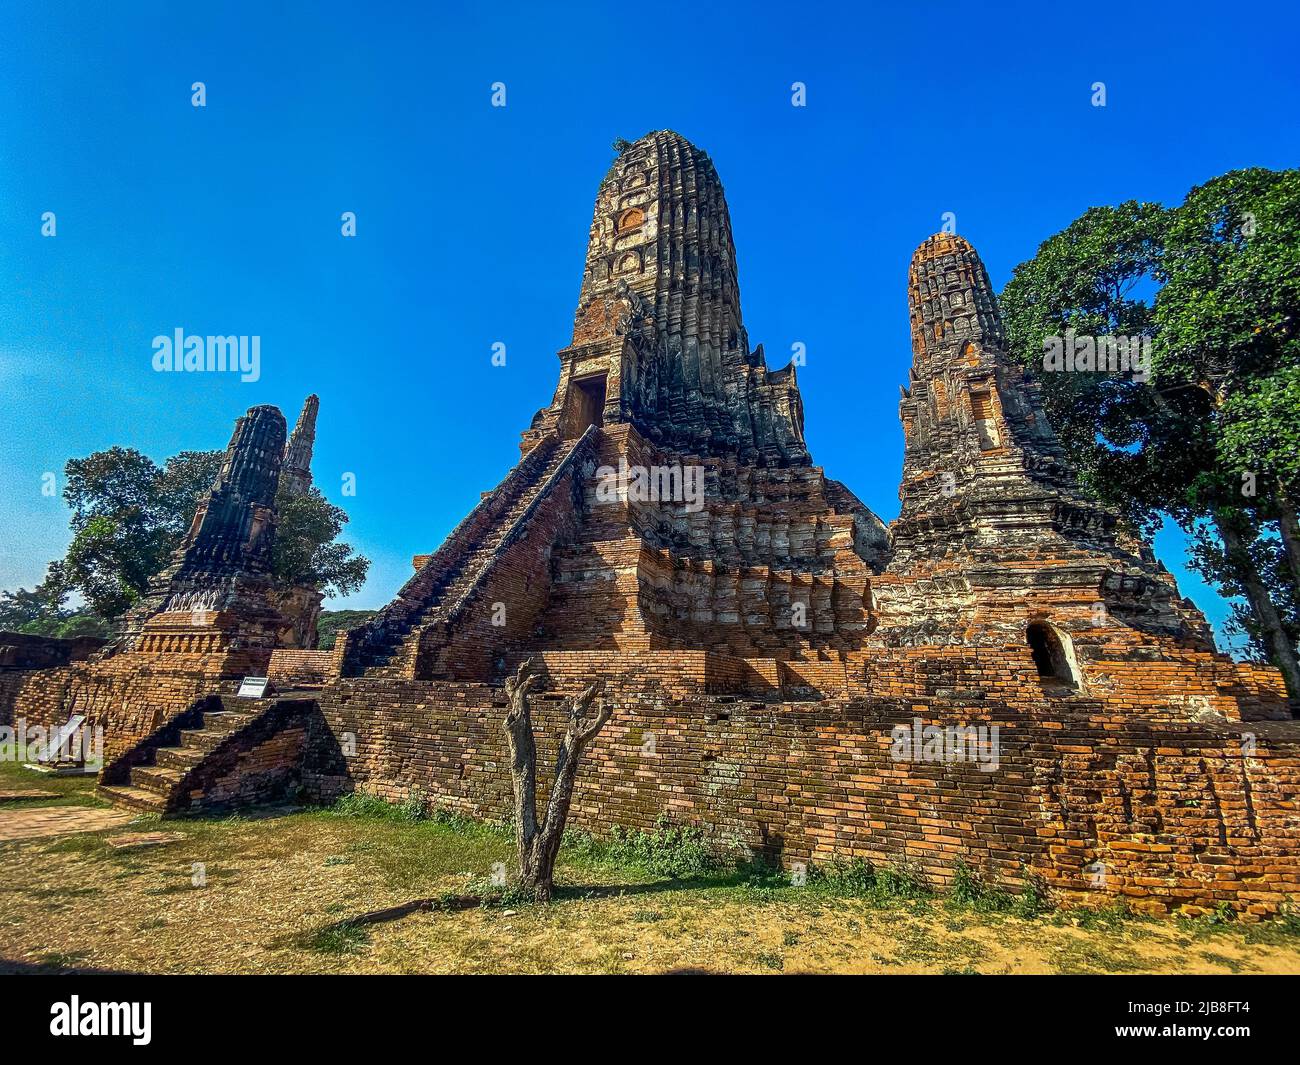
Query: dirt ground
{"points": [[283, 892]]}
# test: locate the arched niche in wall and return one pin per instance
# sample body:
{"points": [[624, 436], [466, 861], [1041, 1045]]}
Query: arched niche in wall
{"points": [[1053, 654], [631, 219]]}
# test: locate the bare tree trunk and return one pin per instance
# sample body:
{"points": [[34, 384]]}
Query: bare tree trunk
{"points": [[523, 757], [539, 845], [1276, 641]]}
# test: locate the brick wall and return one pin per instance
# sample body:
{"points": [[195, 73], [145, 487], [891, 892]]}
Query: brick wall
{"points": [[300, 669], [130, 695], [264, 761], [1177, 815]]}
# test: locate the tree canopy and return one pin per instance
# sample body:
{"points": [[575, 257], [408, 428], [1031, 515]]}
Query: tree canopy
{"points": [[128, 517], [1208, 433]]}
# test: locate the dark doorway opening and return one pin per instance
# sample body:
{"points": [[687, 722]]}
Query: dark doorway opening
{"points": [[588, 397], [1050, 658]]}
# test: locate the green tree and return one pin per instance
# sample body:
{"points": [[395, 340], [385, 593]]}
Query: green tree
{"points": [[1215, 285], [1096, 278], [129, 515], [1229, 323], [306, 551], [1261, 436]]}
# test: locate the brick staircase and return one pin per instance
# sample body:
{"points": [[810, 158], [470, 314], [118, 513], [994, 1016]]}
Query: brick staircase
{"points": [[170, 771], [386, 646]]}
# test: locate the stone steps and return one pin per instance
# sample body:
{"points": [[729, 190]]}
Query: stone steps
{"points": [[378, 659], [157, 786], [182, 758], [157, 778], [132, 797], [198, 740]]}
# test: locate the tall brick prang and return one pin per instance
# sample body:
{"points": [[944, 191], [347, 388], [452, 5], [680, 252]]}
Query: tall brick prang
{"points": [[222, 568], [658, 338], [994, 542]]}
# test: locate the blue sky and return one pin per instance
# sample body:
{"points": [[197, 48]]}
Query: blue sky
{"points": [[472, 220]]}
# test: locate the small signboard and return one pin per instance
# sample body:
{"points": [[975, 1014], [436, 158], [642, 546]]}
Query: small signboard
{"points": [[253, 687]]}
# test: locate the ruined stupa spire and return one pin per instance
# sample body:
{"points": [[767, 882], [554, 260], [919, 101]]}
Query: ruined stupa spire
{"points": [[972, 420], [233, 529], [295, 474], [224, 561], [987, 486], [950, 299], [658, 339]]}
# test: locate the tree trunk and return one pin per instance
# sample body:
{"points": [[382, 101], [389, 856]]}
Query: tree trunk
{"points": [[1290, 532], [1278, 644], [539, 845]]}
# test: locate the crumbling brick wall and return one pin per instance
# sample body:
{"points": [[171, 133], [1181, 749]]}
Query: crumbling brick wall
{"points": [[1163, 813], [300, 669]]}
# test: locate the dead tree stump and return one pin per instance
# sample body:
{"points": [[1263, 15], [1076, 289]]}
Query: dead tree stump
{"points": [[538, 844]]}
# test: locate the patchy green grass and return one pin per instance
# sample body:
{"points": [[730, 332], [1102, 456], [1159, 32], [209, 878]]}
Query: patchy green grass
{"points": [[69, 791], [366, 886], [345, 937]]}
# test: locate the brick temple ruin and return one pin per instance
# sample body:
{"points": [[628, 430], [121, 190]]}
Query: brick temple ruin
{"points": [[771, 647]]}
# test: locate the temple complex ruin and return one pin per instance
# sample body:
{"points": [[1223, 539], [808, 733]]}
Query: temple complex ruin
{"points": [[766, 640]]}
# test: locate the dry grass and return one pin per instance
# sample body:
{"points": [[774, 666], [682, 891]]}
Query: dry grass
{"points": [[283, 893]]}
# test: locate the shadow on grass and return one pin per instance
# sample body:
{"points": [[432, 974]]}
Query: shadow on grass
{"points": [[345, 936], [235, 815], [348, 934], [55, 967]]}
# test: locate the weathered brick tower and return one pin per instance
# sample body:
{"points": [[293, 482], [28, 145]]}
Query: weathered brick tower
{"points": [[210, 618], [658, 339], [762, 577], [994, 545], [215, 594], [762, 636]]}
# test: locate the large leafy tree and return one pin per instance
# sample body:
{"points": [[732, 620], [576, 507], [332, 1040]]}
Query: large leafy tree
{"points": [[129, 515], [306, 550], [1208, 437], [1096, 278]]}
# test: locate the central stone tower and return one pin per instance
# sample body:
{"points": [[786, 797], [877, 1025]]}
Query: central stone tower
{"points": [[745, 565], [658, 338]]}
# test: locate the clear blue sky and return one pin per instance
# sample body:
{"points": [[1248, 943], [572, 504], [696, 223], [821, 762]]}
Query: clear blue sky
{"points": [[473, 220]]}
